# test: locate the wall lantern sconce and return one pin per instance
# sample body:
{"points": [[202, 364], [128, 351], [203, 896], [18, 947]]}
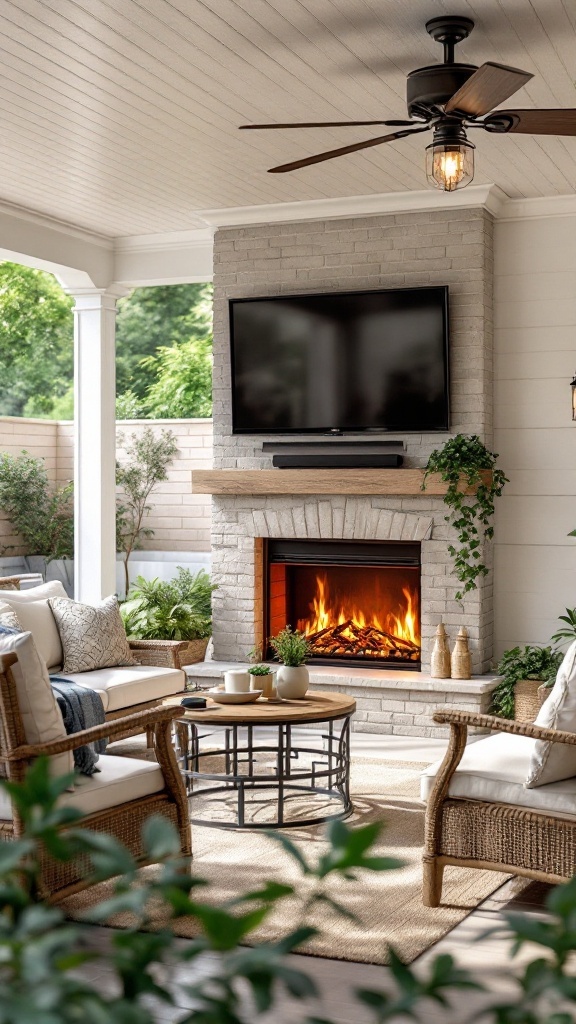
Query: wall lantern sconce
{"points": [[573, 386]]}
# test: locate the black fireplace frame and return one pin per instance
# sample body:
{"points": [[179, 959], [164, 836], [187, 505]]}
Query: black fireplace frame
{"points": [[354, 553]]}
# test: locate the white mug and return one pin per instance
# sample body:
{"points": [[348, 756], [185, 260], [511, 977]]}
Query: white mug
{"points": [[237, 681]]}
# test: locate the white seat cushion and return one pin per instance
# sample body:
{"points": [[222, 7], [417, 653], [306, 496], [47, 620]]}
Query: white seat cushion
{"points": [[494, 769], [34, 614], [124, 686], [120, 779]]}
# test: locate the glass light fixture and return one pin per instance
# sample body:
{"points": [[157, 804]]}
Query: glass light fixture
{"points": [[573, 386], [450, 159]]}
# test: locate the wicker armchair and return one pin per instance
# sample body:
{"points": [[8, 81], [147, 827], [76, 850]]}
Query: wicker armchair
{"points": [[124, 821], [491, 835]]}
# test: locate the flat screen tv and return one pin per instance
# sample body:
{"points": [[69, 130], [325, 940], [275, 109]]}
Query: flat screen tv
{"points": [[351, 361]]}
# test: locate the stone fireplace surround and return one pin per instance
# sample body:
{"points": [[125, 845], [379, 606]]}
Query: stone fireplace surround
{"points": [[452, 247]]}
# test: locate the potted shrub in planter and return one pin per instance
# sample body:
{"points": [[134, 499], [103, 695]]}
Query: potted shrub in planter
{"points": [[178, 610], [528, 675], [43, 515], [292, 649]]}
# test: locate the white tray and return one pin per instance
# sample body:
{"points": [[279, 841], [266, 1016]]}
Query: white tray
{"points": [[222, 697]]}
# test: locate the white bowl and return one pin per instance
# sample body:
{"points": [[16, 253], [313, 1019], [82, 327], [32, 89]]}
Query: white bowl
{"points": [[222, 697]]}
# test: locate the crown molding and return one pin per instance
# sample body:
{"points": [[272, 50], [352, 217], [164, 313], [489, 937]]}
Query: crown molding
{"points": [[43, 220], [488, 197], [542, 206], [163, 241]]}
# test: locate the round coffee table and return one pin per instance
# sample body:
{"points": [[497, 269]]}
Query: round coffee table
{"points": [[292, 772]]}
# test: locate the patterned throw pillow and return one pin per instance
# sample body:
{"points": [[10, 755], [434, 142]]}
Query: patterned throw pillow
{"points": [[92, 636], [9, 618]]}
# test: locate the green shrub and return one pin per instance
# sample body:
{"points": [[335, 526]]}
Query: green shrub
{"points": [[41, 514], [178, 610], [523, 663]]}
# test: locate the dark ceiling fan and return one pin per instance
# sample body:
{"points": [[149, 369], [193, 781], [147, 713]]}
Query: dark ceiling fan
{"points": [[449, 98]]}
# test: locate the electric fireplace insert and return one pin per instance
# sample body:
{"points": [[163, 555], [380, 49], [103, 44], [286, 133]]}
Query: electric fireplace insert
{"points": [[358, 602]]}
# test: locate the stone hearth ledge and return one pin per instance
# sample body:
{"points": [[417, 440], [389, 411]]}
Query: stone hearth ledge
{"points": [[396, 702]]}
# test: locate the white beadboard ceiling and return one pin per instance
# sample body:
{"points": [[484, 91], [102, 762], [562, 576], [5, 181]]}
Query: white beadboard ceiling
{"points": [[121, 116]]}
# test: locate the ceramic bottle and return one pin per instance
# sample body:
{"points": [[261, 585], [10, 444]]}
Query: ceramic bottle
{"points": [[440, 662], [461, 662]]}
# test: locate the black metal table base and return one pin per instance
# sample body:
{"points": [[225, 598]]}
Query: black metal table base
{"points": [[312, 769]]}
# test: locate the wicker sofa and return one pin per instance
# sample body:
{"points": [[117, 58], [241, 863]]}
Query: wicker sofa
{"points": [[480, 814], [117, 800], [139, 687]]}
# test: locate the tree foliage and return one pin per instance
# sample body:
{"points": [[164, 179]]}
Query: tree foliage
{"points": [[182, 381], [163, 346], [36, 341]]}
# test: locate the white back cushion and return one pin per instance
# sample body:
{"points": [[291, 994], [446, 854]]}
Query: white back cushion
{"points": [[551, 762], [35, 615], [41, 716]]}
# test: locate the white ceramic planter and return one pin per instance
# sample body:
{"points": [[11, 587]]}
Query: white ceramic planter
{"points": [[292, 681]]}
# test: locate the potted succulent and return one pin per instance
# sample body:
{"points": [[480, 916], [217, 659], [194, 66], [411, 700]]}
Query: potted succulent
{"points": [[178, 610], [291, 647], [528, 674], [262, 679]]}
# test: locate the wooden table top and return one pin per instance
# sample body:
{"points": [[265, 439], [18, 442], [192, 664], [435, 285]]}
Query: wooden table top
{"points": [[313, 707]]}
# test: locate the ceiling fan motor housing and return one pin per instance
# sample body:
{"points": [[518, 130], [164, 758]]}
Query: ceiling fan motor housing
{"points": [[428, 88]]}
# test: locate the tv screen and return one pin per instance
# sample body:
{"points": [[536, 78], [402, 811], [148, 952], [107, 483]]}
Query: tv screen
{"points": [[340, 362]]}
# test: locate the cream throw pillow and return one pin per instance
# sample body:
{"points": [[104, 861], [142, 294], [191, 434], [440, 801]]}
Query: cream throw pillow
{"points": [[41, 716], [93, 636], [552, 762], [34, 614]]}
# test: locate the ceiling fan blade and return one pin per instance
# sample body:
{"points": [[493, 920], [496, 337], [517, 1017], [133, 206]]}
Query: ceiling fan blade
{"points": [[490, 85], [540, 122], [343, 151], [323, 124]]}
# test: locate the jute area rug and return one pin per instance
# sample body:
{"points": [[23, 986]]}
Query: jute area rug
{"points": [[388, 905]]}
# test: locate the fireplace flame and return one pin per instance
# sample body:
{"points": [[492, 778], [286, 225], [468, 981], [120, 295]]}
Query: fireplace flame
{"points": [[348, 630]]}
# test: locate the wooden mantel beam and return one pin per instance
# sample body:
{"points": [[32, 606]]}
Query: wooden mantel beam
{"points": [[317, 481]]}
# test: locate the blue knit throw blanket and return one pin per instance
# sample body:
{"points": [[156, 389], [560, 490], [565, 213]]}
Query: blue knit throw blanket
{"points": [[81, 708]]}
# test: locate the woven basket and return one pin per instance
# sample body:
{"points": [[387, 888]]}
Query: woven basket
{"points": [[195, 651], [529, 696]]}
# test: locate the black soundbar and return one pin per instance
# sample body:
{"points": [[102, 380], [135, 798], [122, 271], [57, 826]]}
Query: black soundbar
{"points": [[336, 445], [322, 461]]}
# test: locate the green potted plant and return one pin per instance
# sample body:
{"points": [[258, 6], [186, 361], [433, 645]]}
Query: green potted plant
{"points": [[291, 647], [178, 610], [528, 674], [465, 464], [567, 632], [262, 679], [41, 514]]}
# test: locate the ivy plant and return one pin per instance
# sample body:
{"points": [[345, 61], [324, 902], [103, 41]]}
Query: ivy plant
{"points": [[462, 463]]}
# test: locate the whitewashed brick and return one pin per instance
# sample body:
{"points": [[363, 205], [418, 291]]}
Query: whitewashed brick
{"points": [[312, 521]]}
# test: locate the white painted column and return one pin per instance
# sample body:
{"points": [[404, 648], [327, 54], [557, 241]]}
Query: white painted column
{"points": [[95, 443]]}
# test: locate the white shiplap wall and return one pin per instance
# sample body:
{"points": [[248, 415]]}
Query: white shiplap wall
{"points": [[535, 358]]}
